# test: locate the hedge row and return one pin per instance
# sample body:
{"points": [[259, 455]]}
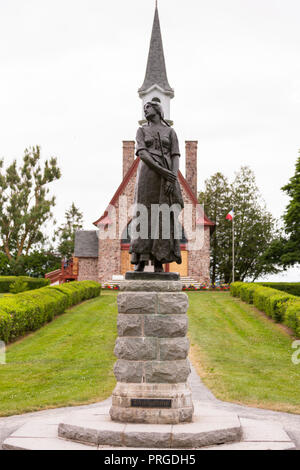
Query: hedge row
{"points": [[288, 287], [28, 311], [32, 282], [282, 307]]}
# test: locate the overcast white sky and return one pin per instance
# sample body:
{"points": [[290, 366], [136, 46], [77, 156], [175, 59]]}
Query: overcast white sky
{"points": [[70, 70]]}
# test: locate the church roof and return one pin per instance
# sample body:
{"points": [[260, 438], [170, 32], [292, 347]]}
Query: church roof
{"points": [[86, 244], [156, 73], [202, 219]]}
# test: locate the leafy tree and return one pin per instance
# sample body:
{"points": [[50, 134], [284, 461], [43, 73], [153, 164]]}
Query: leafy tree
{"points": [[216, 200], [254, 227], [24, 203], [66, 232], [291, 246], [4, 265], [36, 264]]}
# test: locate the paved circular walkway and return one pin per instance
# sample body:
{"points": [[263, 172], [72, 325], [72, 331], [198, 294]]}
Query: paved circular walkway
{"points": [[290, 422]]}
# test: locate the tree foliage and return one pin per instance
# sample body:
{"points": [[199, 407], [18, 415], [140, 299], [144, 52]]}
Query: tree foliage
{"points": [[291, 247], [25, 205], [36, 264], [285, 251], [254, 227], [66, 232]]}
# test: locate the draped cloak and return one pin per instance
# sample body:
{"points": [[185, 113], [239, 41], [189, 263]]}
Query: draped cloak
{"points": [[148, 236]]}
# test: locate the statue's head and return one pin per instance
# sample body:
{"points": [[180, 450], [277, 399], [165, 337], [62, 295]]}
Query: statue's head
{"points": [[153, 107]]}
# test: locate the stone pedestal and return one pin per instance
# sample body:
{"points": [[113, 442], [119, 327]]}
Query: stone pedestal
{"points": [[152, 348]]}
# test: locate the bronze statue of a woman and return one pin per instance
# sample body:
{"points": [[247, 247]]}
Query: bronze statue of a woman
{"points": [[156, 186]]}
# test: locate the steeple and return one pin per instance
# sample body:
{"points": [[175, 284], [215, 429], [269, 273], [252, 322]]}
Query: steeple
{"points": [[156, 83]]}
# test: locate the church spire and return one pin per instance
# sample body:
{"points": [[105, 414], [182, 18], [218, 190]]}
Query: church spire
{"points": [[156, 83]]}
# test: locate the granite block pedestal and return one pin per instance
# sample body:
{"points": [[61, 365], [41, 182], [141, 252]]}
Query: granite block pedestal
{"points": [[152, 349]]}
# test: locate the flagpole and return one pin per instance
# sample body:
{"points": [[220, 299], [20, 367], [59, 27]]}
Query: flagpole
{"points": [[233, 246]]}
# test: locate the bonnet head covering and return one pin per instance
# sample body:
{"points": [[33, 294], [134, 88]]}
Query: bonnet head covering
{"points": [[158, 107]]}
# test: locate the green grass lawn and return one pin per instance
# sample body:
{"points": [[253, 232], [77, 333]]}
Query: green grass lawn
{"points": [[240, 354], [67, 362]]}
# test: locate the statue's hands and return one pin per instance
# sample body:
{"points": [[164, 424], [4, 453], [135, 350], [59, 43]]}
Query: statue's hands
{"points": [[169, 188], [168, 175]]}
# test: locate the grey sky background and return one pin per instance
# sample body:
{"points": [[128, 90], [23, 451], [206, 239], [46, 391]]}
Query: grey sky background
{"points": [[70, 70]]}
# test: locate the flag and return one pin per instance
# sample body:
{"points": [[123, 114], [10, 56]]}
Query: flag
{"points": [[230, 214]]}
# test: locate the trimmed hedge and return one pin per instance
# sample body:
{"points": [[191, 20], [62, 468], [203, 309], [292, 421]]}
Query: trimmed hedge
{"points": [[32, 282], [282, 307], [29, 310], [288, 287]]}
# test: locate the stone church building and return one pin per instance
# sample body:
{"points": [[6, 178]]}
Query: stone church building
{"points": [[101, 259]]}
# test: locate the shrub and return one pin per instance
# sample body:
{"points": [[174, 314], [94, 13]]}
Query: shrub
{"points": [[280, 306], [29, 310], [19, 285], [292, 316], [247, 292], [235, 288], [32, 282], [292, 288]]}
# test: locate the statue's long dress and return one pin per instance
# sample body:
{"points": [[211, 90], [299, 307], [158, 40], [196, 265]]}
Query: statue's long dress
{"points": [[149, 191]]}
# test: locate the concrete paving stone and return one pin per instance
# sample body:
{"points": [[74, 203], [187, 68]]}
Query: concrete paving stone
{"points": [[207, 409], [36, 429], [43, 444], [102, 410], [147, 435], [254, 446], [256, 430]]}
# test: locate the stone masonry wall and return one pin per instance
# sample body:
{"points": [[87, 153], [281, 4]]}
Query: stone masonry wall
{"points": [[88, 269], [110, 250], [128, 155], [199, 260], [191, 164]]}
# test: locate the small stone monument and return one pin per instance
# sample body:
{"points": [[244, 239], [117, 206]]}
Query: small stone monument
{"points": [[152, 349]]}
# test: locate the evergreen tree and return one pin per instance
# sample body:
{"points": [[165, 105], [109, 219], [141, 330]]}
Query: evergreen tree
{"points": [[24, 203], [66, 232], [254, 227], [291, 246]]}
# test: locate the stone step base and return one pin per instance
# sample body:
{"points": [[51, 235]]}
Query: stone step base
{"points": [[212, 425], [177, 399], [185, 281]]}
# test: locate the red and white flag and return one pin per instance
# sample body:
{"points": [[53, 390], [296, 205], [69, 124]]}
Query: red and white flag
{"points": [[230, 215]]}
